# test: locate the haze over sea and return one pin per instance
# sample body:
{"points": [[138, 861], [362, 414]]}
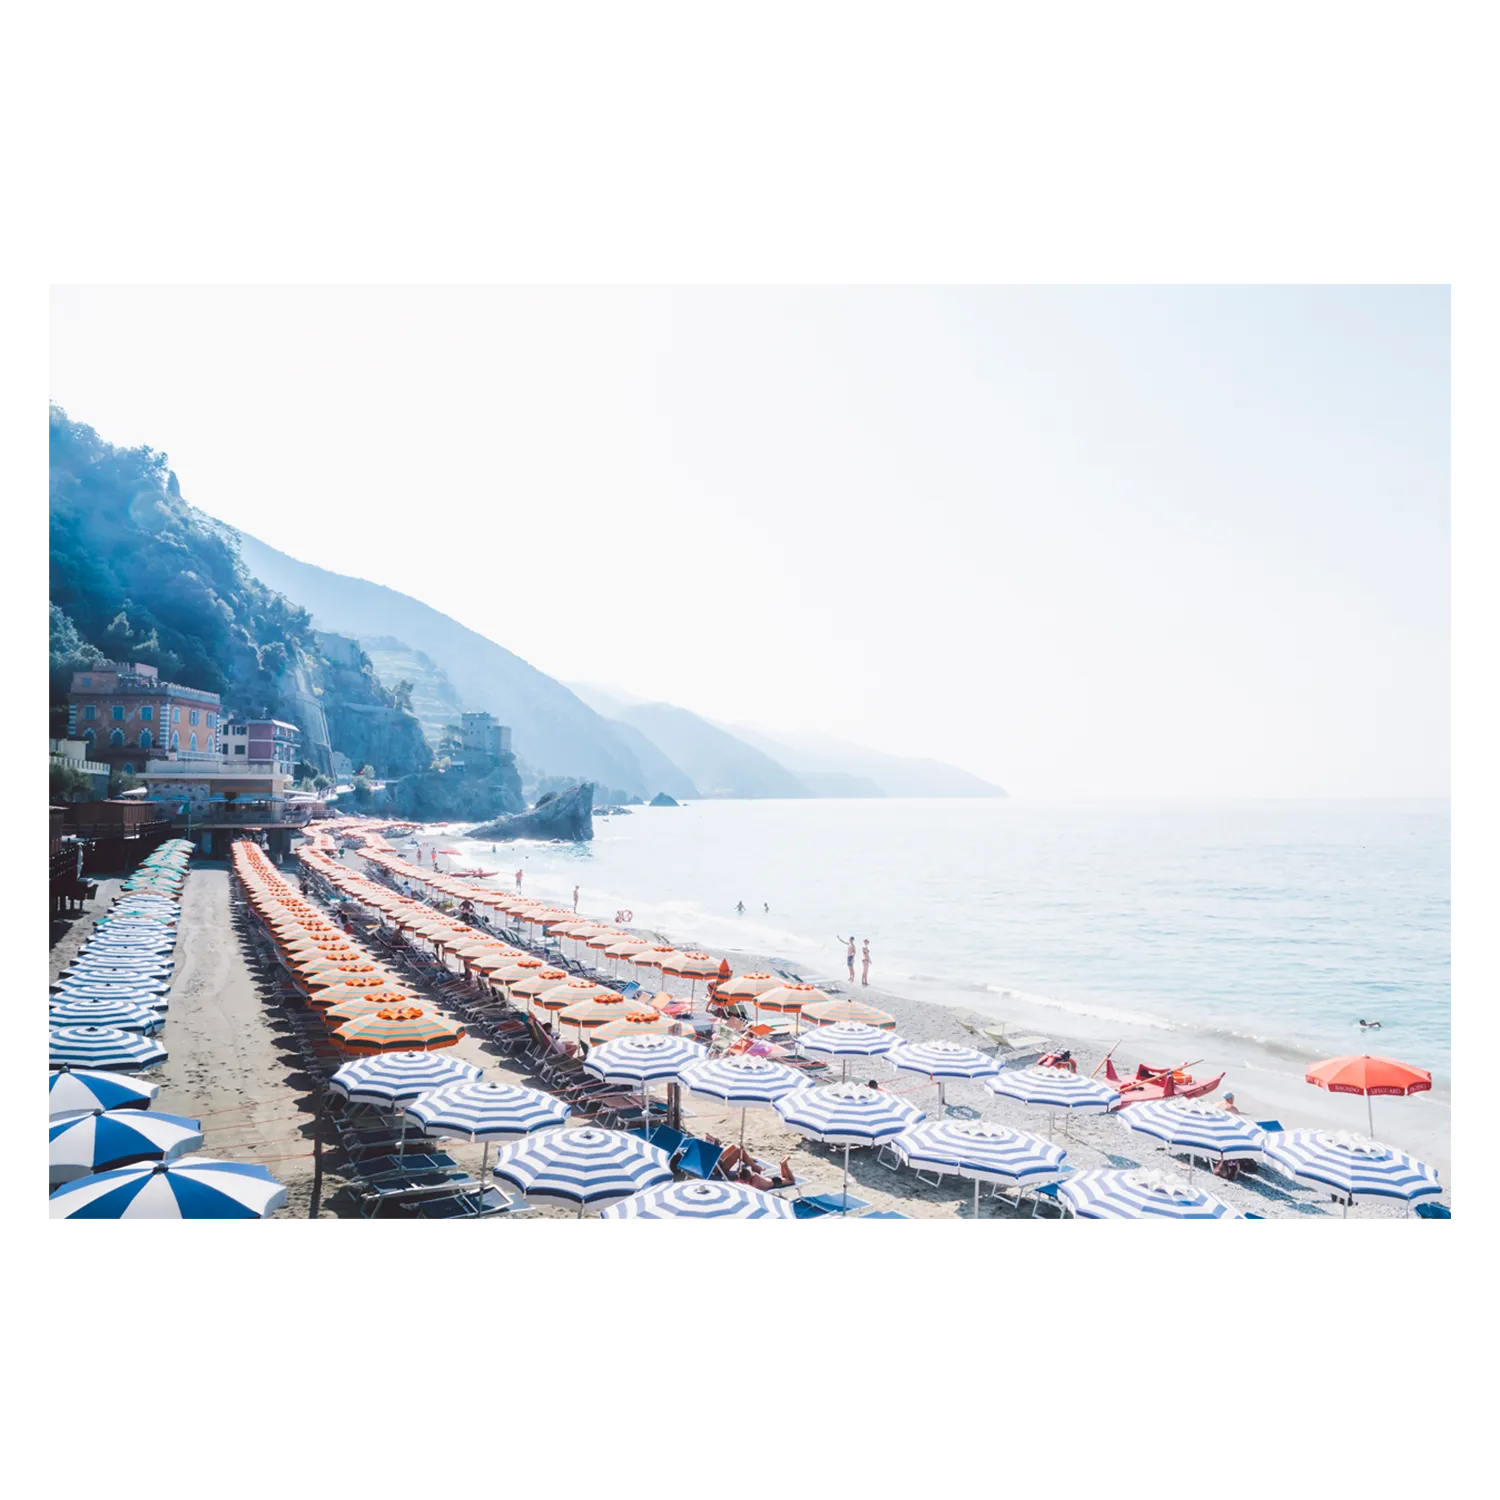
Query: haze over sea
{"points": [[1268, 926]]}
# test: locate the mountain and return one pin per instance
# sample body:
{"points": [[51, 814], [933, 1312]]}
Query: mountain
{"points": [[660, 772], [555, 731], [812, 756], [720, 764], [434, 700], [138, 574]]}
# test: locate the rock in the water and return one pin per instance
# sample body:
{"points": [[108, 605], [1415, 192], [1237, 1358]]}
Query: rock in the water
{"points": [[662, 800], [558, 815]]}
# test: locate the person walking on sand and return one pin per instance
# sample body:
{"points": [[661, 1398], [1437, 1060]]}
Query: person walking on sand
{"points": [[864, 973], [518, 880], [849, 955], [575, 900], [741, 908]]}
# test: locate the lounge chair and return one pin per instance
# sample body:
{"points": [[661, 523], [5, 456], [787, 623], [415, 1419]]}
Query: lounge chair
{"points": [[665, 1136], [414, 1163], [468, 1206], [830, 1203], [698, 1158], [416, 1185], [885, 1213], [1433, 1211]]}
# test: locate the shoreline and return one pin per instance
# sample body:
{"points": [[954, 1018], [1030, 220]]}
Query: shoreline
{"points": [[1264, 1084]]}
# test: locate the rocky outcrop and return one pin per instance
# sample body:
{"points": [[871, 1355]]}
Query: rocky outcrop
{"points": [[558, 815], [458, 796], [662, 800]]}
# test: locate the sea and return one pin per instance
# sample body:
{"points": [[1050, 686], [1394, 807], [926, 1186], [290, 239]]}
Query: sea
{"points": [[1257, 930]]}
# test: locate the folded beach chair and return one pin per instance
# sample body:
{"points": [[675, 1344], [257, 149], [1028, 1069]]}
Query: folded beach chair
{"points": [[468, 1206], [698, 1158], [1433, 1211], [417, 1185], [665, 1136], [413, 1164]]}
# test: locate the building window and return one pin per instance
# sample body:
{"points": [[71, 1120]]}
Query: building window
{"points": [[174, 739], [145, 713], [85, 681], [192, 716], [211, 719], [116, 738], [128, 769], [177, 716], [239, 749], [88, 736], [90, 712], [145, 739], [192, 742], [116, 712]]}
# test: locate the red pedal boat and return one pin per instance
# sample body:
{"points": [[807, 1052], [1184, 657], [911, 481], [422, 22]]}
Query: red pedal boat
{"points": [[1158, 1083]]}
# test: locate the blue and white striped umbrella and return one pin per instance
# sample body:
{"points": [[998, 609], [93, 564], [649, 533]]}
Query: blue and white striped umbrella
{"points": [[1202, 1128], [848, 1114], [112, 982], [848, 1039], [643, 1059], [86, 1010], [94, 1140], [70, 1089], [1053, 1089], [1137, 1194], [982, 1150], [391, 1078], [742, 1080], [487, 1111], [156, 1000], [102, 1047], [196, 1187], [640, 1060], [582, 1164], [941, 1061], [1352, 1165], [701, 1200]]}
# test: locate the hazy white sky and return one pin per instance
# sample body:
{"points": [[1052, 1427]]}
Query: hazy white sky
{"points": [[1083, 542]]}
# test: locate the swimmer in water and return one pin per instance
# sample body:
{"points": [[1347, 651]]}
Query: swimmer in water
{"points": [[1369, 1025]]}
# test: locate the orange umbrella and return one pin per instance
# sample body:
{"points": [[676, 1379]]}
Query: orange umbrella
{"points": [[399, 1028], [653, 957], [506, 968], [321, 999], [826, 1012], [586, 1016], [1369, 1076], [558, 996], [789, 999], [537, 981], [632, 1023], [351, 1010], [746, 987], [694, 966]]}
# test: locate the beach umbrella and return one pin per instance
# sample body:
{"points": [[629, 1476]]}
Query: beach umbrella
{"points": [[588, 1015], [1053, 1089], [692, 966], [634, 1022], [701, 1200], [153, 1000], [1369, 1076], [582, 1164], [1137, 1194], [504, 958], [789, 999], [95, 1140], [84, 1011], [831, 1012], [102, 1047], [847, 1115], [1352, 1165], [742, 1080], [536, 983], [392, 1079], [848, 1039], [366, 1005], [941, 1061], [744, 988], [486, 1111], [642, 1060], [398, 1028], [71, 1089], [652, 957], [1200, 1127], [389, 990], [982, 1150], [193, 1187]]}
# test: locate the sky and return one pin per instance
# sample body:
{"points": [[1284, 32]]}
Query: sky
{"points": [[1085, 542]]}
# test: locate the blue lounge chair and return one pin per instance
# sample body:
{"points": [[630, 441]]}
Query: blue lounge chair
{"points": [[665, 1136], [1271, 1127], [830, 1203], [1433, 1211], [698, 1158], [885, 1213], [804, 1209]]}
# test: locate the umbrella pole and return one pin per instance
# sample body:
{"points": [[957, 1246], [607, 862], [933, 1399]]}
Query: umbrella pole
{"points": [[1370, 1114], [846, 1179], [943, 1110], [743, 1109], [646, 1105], [976, 1197], [484, 1172]]}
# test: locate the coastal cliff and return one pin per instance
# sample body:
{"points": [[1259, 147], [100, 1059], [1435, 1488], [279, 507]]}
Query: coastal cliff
{"points": [[559, 815]]}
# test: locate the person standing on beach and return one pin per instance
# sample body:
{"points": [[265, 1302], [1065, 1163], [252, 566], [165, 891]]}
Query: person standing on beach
{"points": [[575, 900], [518, 880], [864, 973], [741, 908], [849, 955]]}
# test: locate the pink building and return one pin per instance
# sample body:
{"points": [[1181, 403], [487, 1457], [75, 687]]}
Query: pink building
{"points": [[268, 742], [126, 715]]}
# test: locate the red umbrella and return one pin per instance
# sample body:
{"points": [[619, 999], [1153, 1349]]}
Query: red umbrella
{"points": [[1369, 1076]]}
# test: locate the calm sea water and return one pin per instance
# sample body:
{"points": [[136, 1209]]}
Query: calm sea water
{"points": [[1283, 922]]}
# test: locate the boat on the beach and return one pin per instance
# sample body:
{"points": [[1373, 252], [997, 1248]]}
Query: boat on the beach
{"points": [[1158, 1083]]}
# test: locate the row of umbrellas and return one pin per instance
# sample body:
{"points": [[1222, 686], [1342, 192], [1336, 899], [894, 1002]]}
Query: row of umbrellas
{"points": [[110, 1156]]}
